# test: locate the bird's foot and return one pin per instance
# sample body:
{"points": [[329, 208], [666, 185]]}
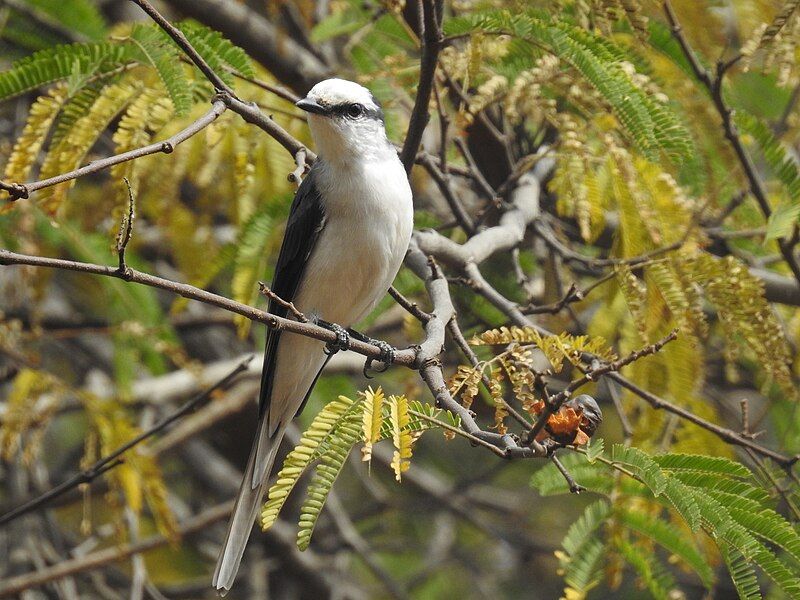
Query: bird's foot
{"points": [[342, 341], [386, 357]]}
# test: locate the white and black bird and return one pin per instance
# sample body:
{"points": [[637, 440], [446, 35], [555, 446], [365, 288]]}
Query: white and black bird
{"points": [[347, 234]]}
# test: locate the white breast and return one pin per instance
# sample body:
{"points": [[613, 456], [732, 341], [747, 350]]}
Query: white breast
{"points": [[369, 218]]}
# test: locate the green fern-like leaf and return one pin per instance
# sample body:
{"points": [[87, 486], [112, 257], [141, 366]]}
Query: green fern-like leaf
{"points": [[595, 449], [742, 574], [582, 530], [217, 51], [727, 531], [347, 434], [642, 465], [683, 503], [768, 525], [722, 485], [251, 259], [296, 462], [161, 53], [582, 572], [651, 570], [60, 62], [581, 545], [671, 539], [701, 464], [649, 123]]}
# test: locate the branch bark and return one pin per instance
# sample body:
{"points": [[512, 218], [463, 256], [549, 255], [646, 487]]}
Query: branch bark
{"points": [[431, 37], [403, 357], [713, 84], [290, 62]]}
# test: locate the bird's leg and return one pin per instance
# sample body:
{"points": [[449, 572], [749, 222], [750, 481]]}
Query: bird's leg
{"points": [[342, 337], [387, 352]]}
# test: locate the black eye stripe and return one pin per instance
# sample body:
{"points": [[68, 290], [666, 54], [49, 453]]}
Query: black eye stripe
{"points": [[348, 111]]}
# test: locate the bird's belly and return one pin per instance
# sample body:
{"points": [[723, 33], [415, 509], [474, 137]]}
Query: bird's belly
{"points": [[351, 276]]}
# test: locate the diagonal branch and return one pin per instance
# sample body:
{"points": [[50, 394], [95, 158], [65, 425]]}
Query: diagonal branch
{"points": [[403, 357], [20, 190], [289, 61], [713, 85], [248, 111], [115, 458]]}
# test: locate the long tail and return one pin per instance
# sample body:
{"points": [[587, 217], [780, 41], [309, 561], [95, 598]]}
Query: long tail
{"points": [[248, 502]]}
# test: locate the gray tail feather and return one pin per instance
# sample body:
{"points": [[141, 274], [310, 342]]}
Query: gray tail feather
{"points": [[248, 502], [266, 446]]}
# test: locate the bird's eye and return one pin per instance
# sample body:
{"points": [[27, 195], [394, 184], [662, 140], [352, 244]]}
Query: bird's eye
{"points": [[355, 110]]}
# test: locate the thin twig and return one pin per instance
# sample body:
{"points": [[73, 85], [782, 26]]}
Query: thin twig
{"points": [[723, 433], [266, 291], [20, 190], [485, 186], [574, 486], [115, 458], [547, 234], [411, 307], [125, 229], [443, 183]]}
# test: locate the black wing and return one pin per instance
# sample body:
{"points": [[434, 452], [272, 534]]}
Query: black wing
{"points": [[306, 221]]}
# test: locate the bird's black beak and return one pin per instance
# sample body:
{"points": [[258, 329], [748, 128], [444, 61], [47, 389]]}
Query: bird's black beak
{"points": [[310, 106]]}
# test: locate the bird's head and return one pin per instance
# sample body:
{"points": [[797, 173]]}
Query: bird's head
{"points": [[346, 121]]}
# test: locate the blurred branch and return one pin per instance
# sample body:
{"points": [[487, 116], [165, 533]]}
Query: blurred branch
{"points": [[713, 85], [45, 20], [288, 60], [116, 457], [443, 183], [16, 585]]}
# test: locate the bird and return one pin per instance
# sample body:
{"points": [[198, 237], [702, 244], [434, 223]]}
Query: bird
{"points": [[347, 234]]}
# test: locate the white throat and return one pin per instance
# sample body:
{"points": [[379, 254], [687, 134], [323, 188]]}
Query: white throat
{"points": [[341, 142]]}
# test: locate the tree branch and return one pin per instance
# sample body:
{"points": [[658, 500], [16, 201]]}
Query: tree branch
{"points": [[115, 458], [431, 37], [403, 357], [713, 85], [16, 585], [289, 61], [248, 111], [20, 190]]}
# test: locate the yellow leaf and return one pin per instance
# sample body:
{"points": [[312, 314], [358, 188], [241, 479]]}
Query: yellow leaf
{"points": [[371, 420], [400, 435]]}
